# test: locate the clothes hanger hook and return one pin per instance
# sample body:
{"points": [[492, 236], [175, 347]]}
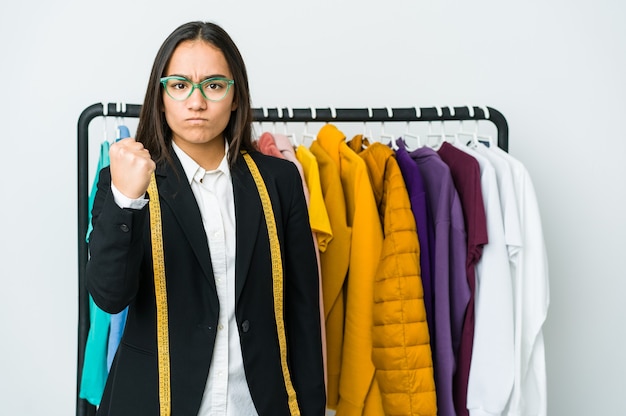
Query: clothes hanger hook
{"points": [[470, 110], [104, 127]]}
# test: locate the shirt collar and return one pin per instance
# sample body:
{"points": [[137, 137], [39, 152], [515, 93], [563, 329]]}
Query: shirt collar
{"points": [[191, 167]]}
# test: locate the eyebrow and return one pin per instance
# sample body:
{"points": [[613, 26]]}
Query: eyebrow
{"points": [[202, 79]]}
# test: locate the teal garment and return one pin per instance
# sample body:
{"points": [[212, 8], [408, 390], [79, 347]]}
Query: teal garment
{"points": [[95, 369], [103, 161]]}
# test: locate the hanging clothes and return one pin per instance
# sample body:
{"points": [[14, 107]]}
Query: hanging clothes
{"points": [[105, 330], [118, 320], [281, 143], [401, 345], [424, 224], [267, 145], [451, 290], [465, 173], [532, 298], [318, 215], [334, 260], [116, 329], [358, 388], [95, 366], [491, 369], [344, 196]]}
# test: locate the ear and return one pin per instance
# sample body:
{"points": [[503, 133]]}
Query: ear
{"points": [[234, 105]]}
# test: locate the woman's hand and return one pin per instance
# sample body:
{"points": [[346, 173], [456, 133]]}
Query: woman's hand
{"points": [[131, 167]]}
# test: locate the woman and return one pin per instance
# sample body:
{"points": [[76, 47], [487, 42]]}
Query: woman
{"points": [[224, 335]]}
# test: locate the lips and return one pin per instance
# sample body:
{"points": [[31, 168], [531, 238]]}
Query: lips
{"points": [[196, 120]]}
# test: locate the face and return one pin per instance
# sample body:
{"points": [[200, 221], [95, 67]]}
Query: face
{"points": [[198, 124]]}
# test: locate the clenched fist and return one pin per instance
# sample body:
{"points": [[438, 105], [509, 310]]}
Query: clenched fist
{"points": [[131, 167]]}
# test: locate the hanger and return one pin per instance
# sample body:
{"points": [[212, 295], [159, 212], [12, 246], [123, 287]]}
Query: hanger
{"points": [[370, 135], [441, 136], [487, 140], [291, 136], [415, 137], [105, 113], [408, 134], [280, 115], [121, 129], [384, 136], [260, 123], [305, 133], [472, 136]]}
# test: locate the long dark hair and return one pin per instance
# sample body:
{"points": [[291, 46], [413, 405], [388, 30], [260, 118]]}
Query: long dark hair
{"points": [[154, 132]]}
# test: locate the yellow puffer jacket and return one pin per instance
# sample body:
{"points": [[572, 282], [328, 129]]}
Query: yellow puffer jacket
{"points": [[401, 348]]}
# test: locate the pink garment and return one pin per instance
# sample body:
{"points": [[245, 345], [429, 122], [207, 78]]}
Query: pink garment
{"points": [[267, 145], [285, 147], [279, 145]]}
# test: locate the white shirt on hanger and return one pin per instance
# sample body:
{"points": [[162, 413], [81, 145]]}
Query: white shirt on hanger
{"points": [[532, 297], [491, 370]]}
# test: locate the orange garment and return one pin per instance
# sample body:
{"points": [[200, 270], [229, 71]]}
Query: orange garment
{"points": [[334, 263], [401, 341], [357, 387]]}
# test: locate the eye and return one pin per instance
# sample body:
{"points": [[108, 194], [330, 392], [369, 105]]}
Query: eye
{"points": [[179, 85], [214, 84]]}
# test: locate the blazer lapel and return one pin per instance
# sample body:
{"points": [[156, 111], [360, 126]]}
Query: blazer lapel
{"points": [[176, 192], [248, 214]]}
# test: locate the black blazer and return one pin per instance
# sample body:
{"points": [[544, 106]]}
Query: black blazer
{"points": [[119, 273]]}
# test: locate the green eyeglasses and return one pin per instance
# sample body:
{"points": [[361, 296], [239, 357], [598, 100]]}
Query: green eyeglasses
{"points": [[180, 88]]}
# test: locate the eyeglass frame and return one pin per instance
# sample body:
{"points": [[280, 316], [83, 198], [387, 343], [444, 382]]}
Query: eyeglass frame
{"points": [[198, 85]]}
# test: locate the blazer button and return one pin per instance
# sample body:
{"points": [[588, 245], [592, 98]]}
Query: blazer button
{"points": [[124, 228], [245, 326], [204, 326]]}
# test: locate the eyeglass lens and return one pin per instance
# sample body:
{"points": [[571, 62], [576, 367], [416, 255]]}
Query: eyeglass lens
{"points": [[212, 89]]}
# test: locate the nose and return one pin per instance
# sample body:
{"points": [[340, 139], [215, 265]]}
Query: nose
{"points": [[196, 100]]}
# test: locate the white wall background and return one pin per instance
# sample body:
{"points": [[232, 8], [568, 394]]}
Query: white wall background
{"points": [[556, 69]]}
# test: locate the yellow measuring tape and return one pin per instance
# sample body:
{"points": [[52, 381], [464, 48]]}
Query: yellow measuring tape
{"points": [[160, 290], [277, 277], [160, 293]]}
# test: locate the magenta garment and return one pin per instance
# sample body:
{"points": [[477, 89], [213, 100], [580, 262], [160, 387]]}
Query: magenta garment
{"points": [[451, 290], [465, 172], [423, 220]]}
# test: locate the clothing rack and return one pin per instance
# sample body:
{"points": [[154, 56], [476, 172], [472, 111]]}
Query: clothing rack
{"points": [[283, 115]]}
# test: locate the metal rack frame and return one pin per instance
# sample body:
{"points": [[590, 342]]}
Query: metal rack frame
{"points": [[282, 114]]}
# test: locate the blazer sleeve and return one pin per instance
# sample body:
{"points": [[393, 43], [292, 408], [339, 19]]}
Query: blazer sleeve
{"points": [[116, 249]]}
